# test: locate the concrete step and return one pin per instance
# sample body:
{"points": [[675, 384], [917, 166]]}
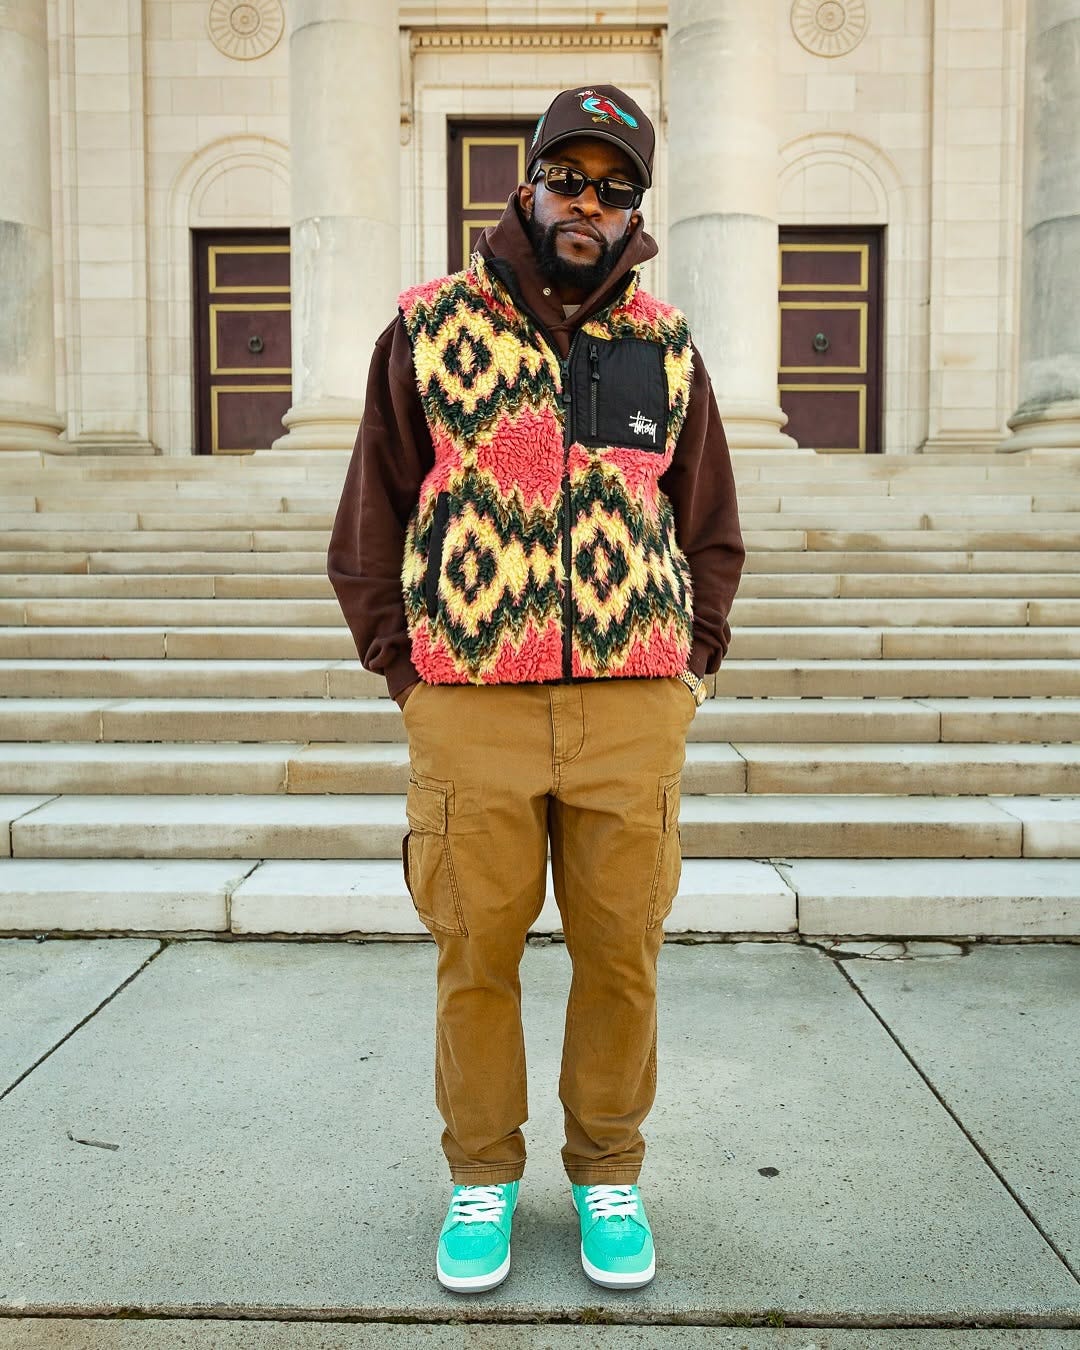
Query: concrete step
{"points": [[318, 897], [97, 561], [930, 678], [758, 511], [13, 808], [88, 587], [371, 826], [1030, 644], [814, 662], [203, 644], [785, 645], [356, 721], [954, 562], [998, 539], [40, 541], [979, 497], [910, 898], [228, 768], [717, 767], [951, 769], [913, 513], [925, 612], [855, 897], [121, 663], [1064, 562], [314, 541], [918, 897], [181, 678], [1002, 720]]}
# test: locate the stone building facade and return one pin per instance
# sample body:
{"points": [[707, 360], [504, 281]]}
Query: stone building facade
{"points": [[870, 209]]}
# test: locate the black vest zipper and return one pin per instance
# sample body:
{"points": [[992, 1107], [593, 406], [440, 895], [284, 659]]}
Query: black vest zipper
{"points": [[594, 386], [567, 546]]}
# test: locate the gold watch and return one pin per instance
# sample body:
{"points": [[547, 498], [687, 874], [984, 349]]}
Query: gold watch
{"points": [[695, 684]]}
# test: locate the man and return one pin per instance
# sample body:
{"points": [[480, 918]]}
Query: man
{"points": [[538, 545]]}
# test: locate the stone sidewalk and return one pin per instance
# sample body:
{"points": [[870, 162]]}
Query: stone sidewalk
{"points": [[863, 1152]]}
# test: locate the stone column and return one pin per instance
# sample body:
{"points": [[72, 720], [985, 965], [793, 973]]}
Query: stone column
{"points": [[723, 238], [344, 113], [974, 224], [28, 418], [1049, 412]]}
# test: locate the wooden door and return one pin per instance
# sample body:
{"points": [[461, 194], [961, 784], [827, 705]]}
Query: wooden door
{"points": [[243, 342], [485, 162], [829, 366]]}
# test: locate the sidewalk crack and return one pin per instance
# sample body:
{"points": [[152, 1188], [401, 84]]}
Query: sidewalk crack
{"points": [[162, 946], [979, 1149]]}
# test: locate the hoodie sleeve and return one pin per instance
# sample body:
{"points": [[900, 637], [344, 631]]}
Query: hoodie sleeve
{"points": [[701, 488], [391, 456]]}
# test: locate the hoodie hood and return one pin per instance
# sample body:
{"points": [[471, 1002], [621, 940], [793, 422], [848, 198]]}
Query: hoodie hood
{"points": [[508, 247]]}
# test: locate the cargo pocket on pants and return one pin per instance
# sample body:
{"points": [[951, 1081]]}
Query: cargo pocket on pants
{"points": [[669, 854], [426, 857]]}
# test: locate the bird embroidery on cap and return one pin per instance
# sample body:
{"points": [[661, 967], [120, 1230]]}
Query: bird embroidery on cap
{"points": [[604, 110]]}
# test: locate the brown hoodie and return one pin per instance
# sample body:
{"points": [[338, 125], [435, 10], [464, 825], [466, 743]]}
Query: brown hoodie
{"points": [[393, 454]]}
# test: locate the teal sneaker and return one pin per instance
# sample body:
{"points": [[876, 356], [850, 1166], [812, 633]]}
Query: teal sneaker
{"points": [[616, 1240], [474, 1245]]}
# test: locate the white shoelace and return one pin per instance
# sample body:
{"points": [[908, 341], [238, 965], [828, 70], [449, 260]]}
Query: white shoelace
{"points": [[479, 1204], [611, 1202]]}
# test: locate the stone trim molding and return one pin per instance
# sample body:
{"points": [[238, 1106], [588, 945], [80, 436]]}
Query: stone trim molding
{"points": [[478, 13], [439, 41]]}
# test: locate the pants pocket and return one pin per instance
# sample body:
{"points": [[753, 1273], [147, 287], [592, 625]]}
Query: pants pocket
{"points": [[669, 852], [427, 859]]}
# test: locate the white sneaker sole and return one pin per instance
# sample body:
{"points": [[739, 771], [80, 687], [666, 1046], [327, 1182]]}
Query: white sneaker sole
{"points": [[608, 1279], [473, 1284]]}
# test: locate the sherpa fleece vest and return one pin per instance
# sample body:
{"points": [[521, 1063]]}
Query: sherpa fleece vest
{"points": [[541, 547]]}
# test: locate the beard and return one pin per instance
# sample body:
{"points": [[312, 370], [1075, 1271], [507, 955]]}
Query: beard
{"points": [[560, 270]]}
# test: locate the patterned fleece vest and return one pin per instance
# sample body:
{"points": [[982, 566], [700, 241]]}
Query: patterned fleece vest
{"points": [[541, 547]]}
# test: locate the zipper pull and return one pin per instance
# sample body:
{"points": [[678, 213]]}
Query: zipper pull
{"points": [[594, 360], [564, 367]]}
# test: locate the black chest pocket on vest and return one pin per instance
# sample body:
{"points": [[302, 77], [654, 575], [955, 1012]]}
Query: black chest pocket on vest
{"points": [[620, 393]]}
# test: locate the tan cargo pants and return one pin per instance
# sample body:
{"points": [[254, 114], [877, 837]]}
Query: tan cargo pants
{"points": [[495, 771]]}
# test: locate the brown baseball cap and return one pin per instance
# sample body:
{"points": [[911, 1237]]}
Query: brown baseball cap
{"points": [[598, 110]]}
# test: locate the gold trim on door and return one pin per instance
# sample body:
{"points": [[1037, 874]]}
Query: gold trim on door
{"points": [[466, 226], [238, 389], [466, 181], [224, 249], [859, 389], [861, 305], [215, 369], [863, 250]]}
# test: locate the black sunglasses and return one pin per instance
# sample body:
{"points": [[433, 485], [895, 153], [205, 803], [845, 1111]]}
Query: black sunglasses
{"points": [[567, 182]]}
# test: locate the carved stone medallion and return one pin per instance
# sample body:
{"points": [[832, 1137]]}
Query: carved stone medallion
{"points": [[245, 29], [829, 27]]}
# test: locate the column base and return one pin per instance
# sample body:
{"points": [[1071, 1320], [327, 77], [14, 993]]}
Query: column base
{"points": [[29, 428], [959, 444], [1055, 427], [329, 424], [756, 426], [119, 444]]}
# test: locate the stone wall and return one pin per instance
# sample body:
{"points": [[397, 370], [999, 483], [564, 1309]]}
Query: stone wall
{"points": [[909, 115]]}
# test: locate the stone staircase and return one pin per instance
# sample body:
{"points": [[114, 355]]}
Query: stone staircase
{"points": [[188, 743]]}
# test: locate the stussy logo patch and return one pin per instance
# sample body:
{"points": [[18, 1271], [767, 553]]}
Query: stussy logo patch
{"points": [[641, 425]]}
